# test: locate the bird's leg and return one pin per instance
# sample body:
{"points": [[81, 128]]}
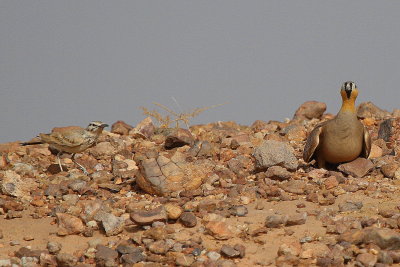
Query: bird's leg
{"points": [[321, 163], [59, 161], [80, 166]]}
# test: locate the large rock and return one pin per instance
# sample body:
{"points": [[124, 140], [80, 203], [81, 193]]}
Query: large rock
{"points": [[272, 153], [164, 176], [310, 110], [12, 184], [369, 110]]}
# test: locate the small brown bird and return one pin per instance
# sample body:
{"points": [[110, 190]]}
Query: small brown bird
{"points": [[71, 139], [341, 139]]}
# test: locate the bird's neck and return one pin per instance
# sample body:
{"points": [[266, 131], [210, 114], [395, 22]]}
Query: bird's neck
{"points": [[348, 105]]}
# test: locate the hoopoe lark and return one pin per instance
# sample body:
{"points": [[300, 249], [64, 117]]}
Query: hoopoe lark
{"points": [[71, 139], [341, 139]]}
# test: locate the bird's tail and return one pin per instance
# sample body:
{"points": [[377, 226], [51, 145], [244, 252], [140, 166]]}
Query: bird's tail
{"points": [[31, 143]]}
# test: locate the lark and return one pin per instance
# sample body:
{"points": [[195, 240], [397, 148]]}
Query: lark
{"points": [[71, 139]]}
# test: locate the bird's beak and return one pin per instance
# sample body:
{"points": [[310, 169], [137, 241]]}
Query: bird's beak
{"points": [[104, 125]]}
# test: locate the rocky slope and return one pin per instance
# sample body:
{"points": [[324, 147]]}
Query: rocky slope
{"points": [[219, 194]]}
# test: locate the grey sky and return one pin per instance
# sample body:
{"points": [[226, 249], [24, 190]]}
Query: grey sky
{"points": [[70, 62]]}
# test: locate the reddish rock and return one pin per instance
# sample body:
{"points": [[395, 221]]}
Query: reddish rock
{"points": [[357, 168], [71, 224], [219, 230], [310, 110], [369, 110], [121, 127], [143, 217], [145, 129], [331, 182]]}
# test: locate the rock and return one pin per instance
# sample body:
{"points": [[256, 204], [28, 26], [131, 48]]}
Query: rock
{"points": [[156, 233], [219, 230], [201, 149], [184, 260], [179, 137], [120, 127], [102, 150], [105, 256], [331, 182], [53, 247], [159, 247], [71, 224], [272, 153], [296, 219], [112, 224], [290, 247], [357, 168], [389, 170], [213, 256], [318, 250], [310, 110], [143, 217], [369, 110], [145, 129], [165, 176], [229, 251], [278, 173], [350, 206], [66, 260], [188, 219], [376, 152], [384, 238], [239, 211], [133, 257], [294, 186], [275, 221], [13, 185], [296, 133], [385, 130], [173, 211], [367, 259]]}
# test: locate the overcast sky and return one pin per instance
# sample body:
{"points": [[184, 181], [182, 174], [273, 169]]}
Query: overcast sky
{"points": [[69, 62]]}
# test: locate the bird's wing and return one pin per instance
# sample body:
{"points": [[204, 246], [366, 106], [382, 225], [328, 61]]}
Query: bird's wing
{"points": [[65, 136], [312, 142], [366, 149]]}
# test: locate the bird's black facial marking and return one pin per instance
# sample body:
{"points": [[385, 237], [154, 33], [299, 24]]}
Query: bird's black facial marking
{"points": [[348, 88], [348, 93]]}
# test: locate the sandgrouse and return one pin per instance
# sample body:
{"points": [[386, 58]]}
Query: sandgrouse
{"points": [[71, 139], [341, 139]]}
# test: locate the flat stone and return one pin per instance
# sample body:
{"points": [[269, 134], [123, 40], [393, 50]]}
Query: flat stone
{"points": [[105, 256], [350, 206], [357, 168], [229, 251], [143, 217], [278, 173], [219, 230]]}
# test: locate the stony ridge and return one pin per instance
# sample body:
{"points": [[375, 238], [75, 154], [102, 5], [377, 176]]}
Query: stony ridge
{"points": [[219, 194]]}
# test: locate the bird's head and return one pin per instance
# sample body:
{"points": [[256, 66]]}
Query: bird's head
{"points": [[349, 91], [96, 127]]}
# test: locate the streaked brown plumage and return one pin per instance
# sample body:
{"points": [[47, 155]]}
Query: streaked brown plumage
{"points": [[341, 139], [71, 139]]}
